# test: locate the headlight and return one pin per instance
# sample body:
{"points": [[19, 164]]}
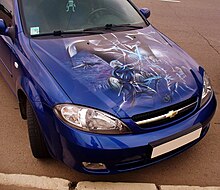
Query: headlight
{"points": [[90, 120], [207, 90]]}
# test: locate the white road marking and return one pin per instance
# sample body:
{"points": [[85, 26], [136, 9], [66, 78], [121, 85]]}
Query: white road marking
{"points": [[171, 1], [31, 181]]}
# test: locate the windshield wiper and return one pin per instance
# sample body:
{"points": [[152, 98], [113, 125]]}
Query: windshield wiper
{"points": [[60, 33], [93, 30], [113, 26]]}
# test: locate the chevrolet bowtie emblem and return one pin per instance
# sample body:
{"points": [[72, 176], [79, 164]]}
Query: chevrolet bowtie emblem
{"points": [[171, 114]]}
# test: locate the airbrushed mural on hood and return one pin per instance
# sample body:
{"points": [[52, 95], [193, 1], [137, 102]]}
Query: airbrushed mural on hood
{"points": [[131, 67]]}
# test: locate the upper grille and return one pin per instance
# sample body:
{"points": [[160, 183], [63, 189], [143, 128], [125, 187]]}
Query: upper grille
{"points": [[166, 115]]}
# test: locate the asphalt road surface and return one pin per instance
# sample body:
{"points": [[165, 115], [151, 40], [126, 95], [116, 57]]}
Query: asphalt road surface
{"points": [[195, 26]]}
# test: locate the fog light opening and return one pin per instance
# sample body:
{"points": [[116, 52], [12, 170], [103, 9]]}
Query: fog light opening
{"points": [[94, 166]]}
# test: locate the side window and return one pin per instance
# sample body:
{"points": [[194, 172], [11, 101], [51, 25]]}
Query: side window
{"points": [[6, 11]]}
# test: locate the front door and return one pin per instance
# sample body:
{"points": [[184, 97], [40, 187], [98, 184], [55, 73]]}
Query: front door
{"points": [[6, 44]]}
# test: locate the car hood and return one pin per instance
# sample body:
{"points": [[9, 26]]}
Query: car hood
{"points": [[123, 73]]}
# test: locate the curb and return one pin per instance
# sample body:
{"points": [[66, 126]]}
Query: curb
{"points": [[31, 182], [86, 185], [133, 186], [170, 187]]}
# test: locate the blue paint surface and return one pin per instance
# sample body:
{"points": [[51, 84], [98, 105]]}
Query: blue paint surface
{"points": [[123, 74]]}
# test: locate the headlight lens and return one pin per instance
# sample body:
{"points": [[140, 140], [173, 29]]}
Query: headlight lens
{"points": [[90, 120], [207, 90]]}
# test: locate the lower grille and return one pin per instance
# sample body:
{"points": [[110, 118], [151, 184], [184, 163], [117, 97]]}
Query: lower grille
{"points": [[166, 115]]}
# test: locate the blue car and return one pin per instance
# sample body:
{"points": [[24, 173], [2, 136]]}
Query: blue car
{"points": [[102, 90]]}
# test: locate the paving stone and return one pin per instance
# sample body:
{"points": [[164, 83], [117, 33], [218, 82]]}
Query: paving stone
{"points": [[169, 187], [31, 181], [13, 187], [114, 186]]}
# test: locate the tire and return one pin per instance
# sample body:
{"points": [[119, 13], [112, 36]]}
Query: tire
{"points": [[37, 143]]}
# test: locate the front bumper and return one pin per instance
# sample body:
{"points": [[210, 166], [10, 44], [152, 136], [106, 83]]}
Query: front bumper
{"points": [[122, 153]]}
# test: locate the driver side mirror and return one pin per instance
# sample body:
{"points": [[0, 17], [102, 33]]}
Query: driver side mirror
{"points": [[3, 27], [7, 31], [145, 12]]}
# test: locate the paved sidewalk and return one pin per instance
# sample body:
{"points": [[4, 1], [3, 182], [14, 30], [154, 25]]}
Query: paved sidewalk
{"points": [[29, 182]]}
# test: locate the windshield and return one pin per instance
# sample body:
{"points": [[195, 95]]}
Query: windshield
{"points": [[48, 16]]}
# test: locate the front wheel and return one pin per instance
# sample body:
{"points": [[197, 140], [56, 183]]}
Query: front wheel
{"points": [[38, 146]]}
